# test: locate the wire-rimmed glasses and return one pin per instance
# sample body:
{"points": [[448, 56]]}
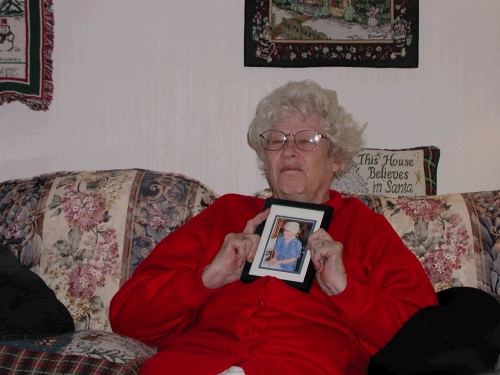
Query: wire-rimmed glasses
{"points": [[305, 140]]}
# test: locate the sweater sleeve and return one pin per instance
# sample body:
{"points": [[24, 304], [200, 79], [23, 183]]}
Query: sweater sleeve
{"points": [[386, 283], [165, 291]]}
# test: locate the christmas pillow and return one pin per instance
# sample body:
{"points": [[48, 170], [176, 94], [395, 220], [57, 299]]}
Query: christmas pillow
{"points": [[408, 172]]}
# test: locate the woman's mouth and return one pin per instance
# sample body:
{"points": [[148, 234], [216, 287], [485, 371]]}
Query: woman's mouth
{"points": [[290, 168]]}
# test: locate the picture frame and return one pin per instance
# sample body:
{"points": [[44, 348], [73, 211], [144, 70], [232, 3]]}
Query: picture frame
{"points": [[282, 251], [314, 33]]}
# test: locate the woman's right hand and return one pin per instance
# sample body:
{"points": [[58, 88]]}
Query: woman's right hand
{"points": [[236, 249], [274, 260]]}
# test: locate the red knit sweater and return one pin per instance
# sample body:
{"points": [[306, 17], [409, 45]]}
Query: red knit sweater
{"points": [[268, 327]]}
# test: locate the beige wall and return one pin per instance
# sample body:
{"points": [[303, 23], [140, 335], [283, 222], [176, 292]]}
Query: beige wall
{"points": [[162, 86]]}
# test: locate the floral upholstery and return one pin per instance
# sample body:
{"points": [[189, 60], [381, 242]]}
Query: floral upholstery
{"points": [[456, 237], [85, 232]]}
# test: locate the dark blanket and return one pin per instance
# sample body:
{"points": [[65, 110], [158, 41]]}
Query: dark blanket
{"points": [[461, 336], [28, 307]]}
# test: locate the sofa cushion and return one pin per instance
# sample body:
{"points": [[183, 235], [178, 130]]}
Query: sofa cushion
{"points": [[84, 352], [406, 172], [455, 236], [84, 232]]}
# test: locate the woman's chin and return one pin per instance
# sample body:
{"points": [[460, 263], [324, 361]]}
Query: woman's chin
{"points": [[294, 193]]}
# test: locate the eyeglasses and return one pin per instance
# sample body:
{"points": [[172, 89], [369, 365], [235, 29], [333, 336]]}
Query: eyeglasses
{"points": [[305, 140]]}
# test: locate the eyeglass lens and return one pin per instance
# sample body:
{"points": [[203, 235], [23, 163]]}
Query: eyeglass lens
{"points": [[306, 140]]}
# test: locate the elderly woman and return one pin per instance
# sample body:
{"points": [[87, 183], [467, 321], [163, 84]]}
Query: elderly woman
{"points": [[287, 248], [187, 299]]}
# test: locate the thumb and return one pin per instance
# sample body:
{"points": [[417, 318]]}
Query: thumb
{"points": [[252, 224]]}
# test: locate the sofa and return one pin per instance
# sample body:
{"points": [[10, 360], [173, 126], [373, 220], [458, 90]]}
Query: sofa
{"points": [[85, 232]]}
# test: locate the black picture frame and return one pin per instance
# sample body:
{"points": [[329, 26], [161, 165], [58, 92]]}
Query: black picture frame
{"points": [[293, 33], [309, 217]]}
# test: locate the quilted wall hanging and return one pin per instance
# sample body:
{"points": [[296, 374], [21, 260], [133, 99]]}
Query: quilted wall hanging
{"points": [[26, 44]]}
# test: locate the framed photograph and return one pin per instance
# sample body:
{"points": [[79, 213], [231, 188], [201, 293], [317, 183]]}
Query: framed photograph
{"points": [[282, 250], [311, 33]]}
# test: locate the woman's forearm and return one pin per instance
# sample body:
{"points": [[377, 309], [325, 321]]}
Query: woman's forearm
{"points": [[287, 261]]}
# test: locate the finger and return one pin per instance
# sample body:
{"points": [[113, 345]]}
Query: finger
{"points": [[320, 234], [253, 223], [238, 248], [245, 247], [252, 240], [241, 256], [234, 246], [318, 261], [253, 243], [321, 249]]}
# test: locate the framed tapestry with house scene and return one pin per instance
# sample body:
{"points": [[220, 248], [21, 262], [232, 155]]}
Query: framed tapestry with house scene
{"points": [[307, 33]]}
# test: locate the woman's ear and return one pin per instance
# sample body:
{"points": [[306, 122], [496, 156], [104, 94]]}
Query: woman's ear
{"points": [[337, 165]]}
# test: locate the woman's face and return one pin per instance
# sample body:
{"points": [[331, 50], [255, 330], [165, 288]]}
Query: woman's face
{"points": [[297, 175], [288, 234]]}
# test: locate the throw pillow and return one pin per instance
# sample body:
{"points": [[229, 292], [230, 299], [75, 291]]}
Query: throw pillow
{"points": [[81, 352], [88, 343], [405, 172]]}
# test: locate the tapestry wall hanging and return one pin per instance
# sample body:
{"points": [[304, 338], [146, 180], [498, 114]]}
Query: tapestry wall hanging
{"points": [[312, 33], [26, 44]]}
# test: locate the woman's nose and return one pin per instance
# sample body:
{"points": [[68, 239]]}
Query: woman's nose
{"points": [[290, 147]]}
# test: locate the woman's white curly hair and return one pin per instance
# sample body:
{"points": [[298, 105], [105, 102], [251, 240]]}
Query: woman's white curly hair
{"points": [[307, 97]]}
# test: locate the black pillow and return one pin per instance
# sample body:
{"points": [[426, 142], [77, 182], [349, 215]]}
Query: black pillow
{"points": [[28, 307], [460, 336]]}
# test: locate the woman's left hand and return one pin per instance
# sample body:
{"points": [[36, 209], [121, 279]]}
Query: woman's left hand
{"points": [[273, 261], [326, 255]]}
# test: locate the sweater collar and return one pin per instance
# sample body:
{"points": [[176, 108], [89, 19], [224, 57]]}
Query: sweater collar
{"points": [[336, 201]]}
